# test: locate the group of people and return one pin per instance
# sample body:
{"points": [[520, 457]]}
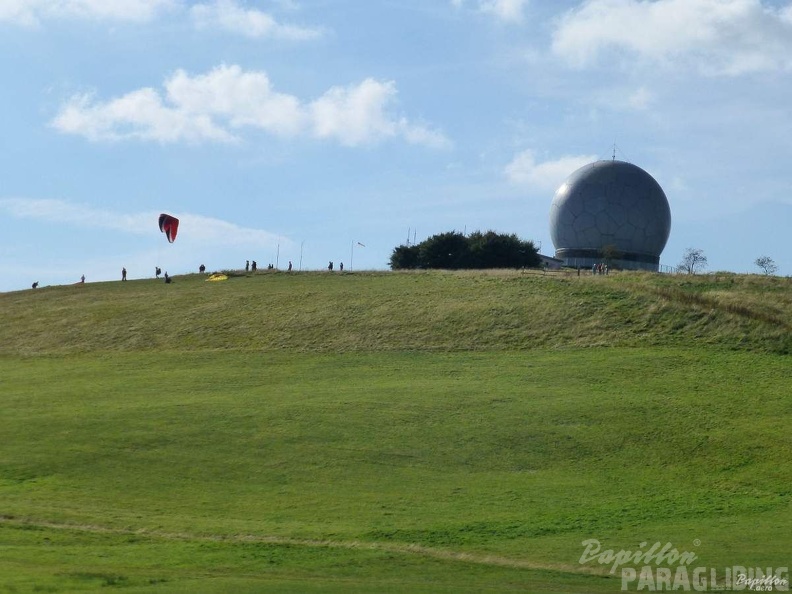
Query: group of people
{"points": [[250, 266], [157, 272], [599, 268]]}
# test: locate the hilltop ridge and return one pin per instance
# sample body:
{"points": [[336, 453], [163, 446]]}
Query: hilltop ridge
{"points": [[389, 311]]}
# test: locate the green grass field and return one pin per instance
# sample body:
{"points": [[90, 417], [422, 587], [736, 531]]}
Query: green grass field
{"points": [[388, 432]]}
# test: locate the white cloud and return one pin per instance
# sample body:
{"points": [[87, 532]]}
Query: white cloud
{"points": [[506, 10], [193, 228], [720, 37], [418, 134], [524, 170], [61, 211], [226, 15], [357, 115], [230, 16], [620, 98], [18, 12], [510, 11], [138, 115], [208, 231], [241, 98], [640, 99], [227, 100], [32, 12]]}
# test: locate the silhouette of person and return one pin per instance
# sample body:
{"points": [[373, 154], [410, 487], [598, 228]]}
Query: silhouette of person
{"points": [[290, 265], [202, 269], [167, 278], [330, 266], [247, 265], [253, 266], [157, 271], [123, 274], [82, 278], [341, 267], [35, 285]]}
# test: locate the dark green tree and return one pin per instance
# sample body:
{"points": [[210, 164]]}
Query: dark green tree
{"points": [[452, 250], [445, 250], [404, 257], [497, 250]]}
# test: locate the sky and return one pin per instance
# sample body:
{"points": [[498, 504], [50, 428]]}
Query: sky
{"points": [[336, 130]]}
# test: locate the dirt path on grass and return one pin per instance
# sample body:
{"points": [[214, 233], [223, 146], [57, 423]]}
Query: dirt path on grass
{"points": [[401, 548]]}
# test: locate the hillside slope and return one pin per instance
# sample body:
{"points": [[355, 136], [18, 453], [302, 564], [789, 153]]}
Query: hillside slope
{"points": [[390, 432], [385, 311]]}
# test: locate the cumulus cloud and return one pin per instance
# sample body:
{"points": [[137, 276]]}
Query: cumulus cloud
{"points": [[506, 10], [224, 15], [719, 37], [357, 114], [229, 16], [239, 98], [32, 12], [220, 105], [510, 11], [548, 175], [138, 115]]}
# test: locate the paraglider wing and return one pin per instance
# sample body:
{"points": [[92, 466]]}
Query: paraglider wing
{"points": [[169, 226]]}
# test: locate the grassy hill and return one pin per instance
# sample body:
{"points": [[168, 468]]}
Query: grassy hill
{"points": [[416, 432], [428, 311]]}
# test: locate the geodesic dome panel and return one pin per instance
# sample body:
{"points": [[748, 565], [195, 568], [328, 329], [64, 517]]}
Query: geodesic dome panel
{"points": [[611, 203]]}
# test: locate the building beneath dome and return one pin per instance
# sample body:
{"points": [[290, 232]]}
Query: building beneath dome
{"points": [[612, 212]]}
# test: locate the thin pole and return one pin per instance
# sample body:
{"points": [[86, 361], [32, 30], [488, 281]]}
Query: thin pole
{"points": [[352, 251], [301, 251]]}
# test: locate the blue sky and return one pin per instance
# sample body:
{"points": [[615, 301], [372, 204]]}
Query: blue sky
{"points": [[317, 130]]}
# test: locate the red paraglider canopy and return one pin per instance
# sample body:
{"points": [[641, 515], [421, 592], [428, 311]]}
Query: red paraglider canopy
{"points": [[169, 226]]}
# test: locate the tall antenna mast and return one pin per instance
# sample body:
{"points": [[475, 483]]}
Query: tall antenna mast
{"points": [[614, 151]]}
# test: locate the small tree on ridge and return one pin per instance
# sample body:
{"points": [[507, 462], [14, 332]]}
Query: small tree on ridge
{"points": [[767, 264], [693, 261]]}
